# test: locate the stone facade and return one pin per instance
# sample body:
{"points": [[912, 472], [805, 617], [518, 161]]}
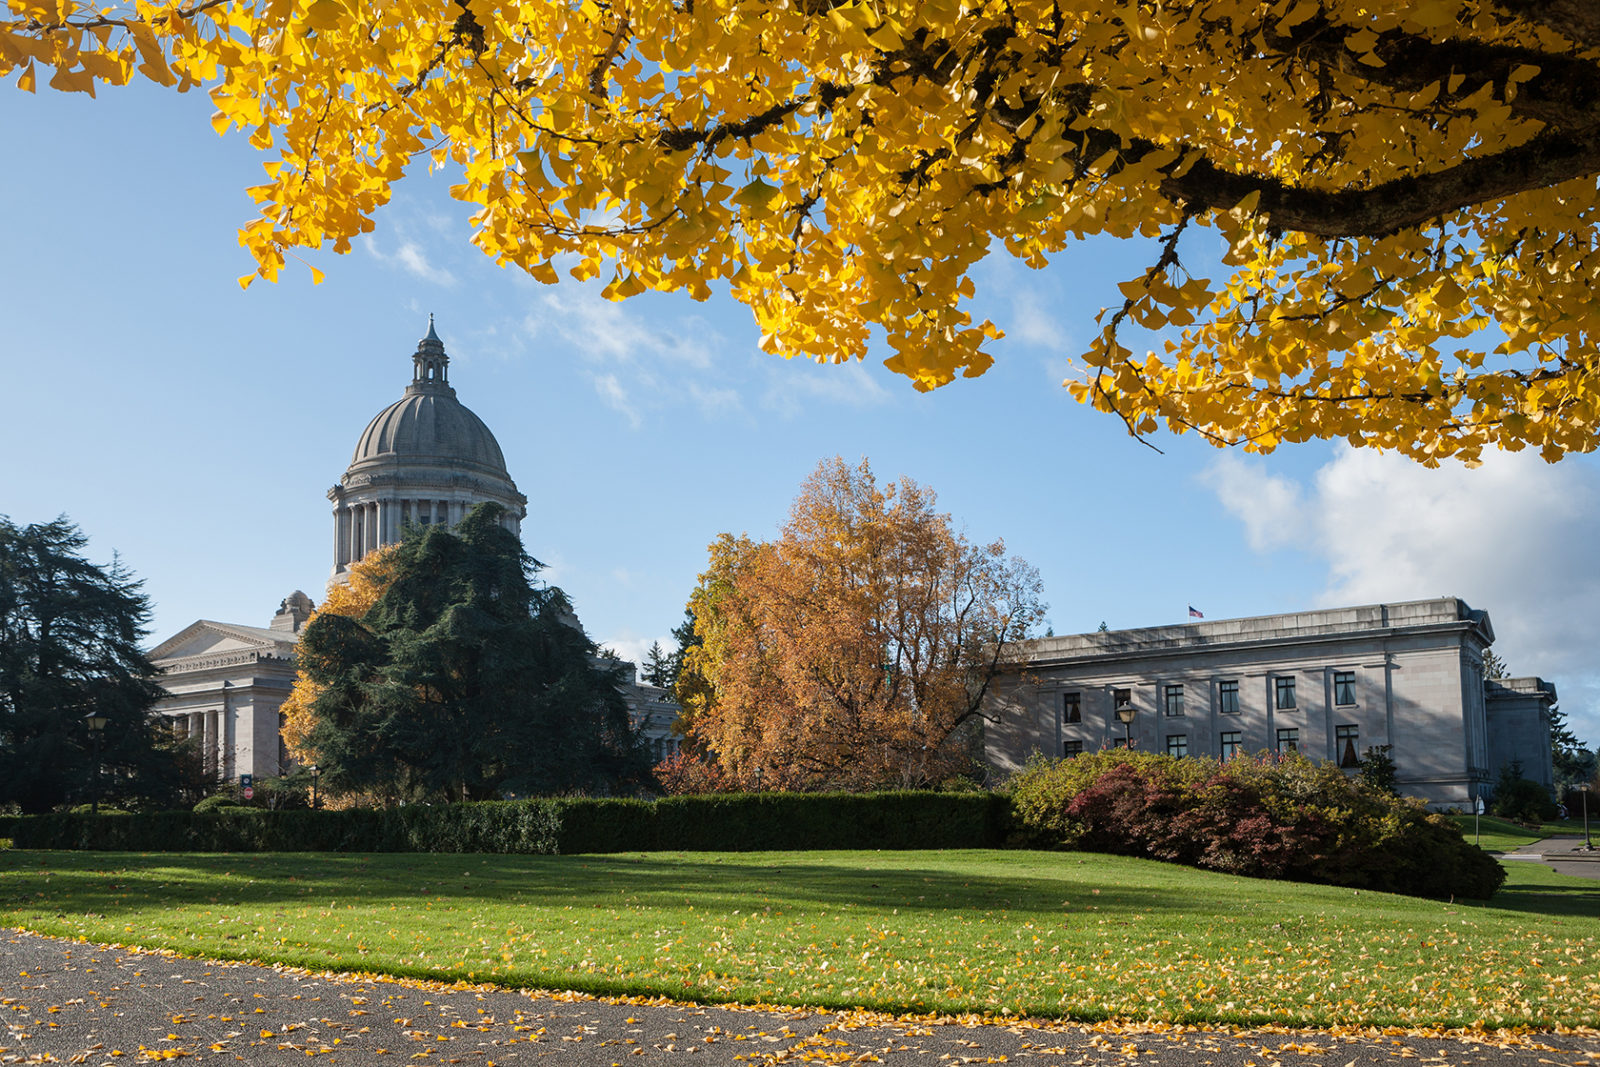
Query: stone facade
{"points": [[225, 684], [653, 711], [1330, 684]]}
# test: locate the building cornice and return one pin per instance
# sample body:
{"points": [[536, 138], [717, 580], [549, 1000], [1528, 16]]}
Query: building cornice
{"points": [[196, 664], [1026, 659]]}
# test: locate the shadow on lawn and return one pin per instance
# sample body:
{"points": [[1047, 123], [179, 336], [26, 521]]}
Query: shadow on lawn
{"points": [[1540, 899], [111, 884]]}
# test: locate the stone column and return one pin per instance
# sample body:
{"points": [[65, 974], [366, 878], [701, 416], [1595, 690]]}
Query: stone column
{"points": [[209, 740], [356, 533], [374, 530]]}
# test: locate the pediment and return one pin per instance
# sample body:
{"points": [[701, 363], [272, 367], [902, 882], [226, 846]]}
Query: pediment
{"points": [[207, 638]]}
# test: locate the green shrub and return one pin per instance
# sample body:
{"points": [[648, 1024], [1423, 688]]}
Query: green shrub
{"points": [[211, 803], [1262, 817], [1519, 798]]}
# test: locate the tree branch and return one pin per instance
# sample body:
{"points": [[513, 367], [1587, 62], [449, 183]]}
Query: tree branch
{"points": [[1576, 20]]}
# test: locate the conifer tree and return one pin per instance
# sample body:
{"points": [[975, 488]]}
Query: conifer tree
{"points": [[465, 681], [69, 647], [657, 666]]}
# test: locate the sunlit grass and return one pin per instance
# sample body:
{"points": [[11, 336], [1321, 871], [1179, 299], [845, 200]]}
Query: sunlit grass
{"points": [[1051, 934], [1493, 834]]}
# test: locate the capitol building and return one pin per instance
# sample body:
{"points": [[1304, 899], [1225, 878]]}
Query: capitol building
{"points": [[424, 459]]}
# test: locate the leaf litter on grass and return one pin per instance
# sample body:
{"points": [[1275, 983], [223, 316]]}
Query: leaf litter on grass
{"points": [[910, 934]]}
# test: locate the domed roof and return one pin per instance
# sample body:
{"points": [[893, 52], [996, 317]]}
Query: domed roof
{"points": [[429, 425]]}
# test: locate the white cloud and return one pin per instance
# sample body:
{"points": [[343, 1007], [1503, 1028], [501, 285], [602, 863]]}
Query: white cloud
{"points": [[607, 330], [611, 391], [634, 648], [643, 361], [848, 384], [715, 401], [1517, 537], [413, 260], [1271, 508], [1031, 323]]}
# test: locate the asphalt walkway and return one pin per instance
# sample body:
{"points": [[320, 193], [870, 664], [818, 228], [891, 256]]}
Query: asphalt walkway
{"points": [[1564, 853], [65, 1002]]}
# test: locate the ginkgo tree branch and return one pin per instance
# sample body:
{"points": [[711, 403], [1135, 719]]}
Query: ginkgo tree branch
{"points": [[1384, 208], [1393, 183], [1577, 20]]}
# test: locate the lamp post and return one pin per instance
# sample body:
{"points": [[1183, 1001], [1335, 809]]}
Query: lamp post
{"points": [[1125, 714], [1587, 844], [97, 726], [316, 772]]}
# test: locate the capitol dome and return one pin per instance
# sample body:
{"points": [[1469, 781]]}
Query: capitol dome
{"points": [[424, 459], [429, 424]]}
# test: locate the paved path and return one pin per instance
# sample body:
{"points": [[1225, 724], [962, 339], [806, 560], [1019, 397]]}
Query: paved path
{"points": [[1564, 853], [61, 1001]]}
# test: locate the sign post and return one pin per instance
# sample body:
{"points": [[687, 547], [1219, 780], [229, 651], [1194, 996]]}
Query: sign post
{"points": [[247, 787], [1477, 814]]}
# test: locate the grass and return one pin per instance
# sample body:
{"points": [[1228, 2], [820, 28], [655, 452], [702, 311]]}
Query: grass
{"points": [[1047, 934], [1498, 835]]}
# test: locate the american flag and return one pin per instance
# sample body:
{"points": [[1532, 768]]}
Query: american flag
{"points": [[1193, 614]]}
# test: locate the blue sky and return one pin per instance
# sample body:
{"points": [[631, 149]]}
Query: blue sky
{"points": [[194, 429]]}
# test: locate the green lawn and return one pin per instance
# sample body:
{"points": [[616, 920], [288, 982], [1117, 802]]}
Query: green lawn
{"points": [[1498, 835], [1051, 934]]}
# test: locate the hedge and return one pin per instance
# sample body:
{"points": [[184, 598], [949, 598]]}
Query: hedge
{"points": [[734, 822]]}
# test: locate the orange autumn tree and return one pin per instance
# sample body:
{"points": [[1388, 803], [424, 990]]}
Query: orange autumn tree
{"points": [[1404, 193], [855, 650], [364, 583]]}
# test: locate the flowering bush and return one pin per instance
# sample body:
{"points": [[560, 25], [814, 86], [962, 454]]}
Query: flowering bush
{"points": [[1259, 816]]}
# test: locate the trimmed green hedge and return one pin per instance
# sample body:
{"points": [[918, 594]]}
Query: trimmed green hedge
{"points": [[732, 822]]}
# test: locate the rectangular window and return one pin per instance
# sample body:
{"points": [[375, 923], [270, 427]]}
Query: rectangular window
{"points": [[1071, 707], [1288, 741], [1119, 742], [1283, 693], [1071, 748], [1177, 744], [1344, 688], [1228, 698], [1232, 741], [1346, 737], [1172, 700], [1121, 698]]}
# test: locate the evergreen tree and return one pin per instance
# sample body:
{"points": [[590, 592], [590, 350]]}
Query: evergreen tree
{"points": [[657, 667], [464, 680], [69, 647], [1571, 762], [684, 634], [1494, 666]]}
